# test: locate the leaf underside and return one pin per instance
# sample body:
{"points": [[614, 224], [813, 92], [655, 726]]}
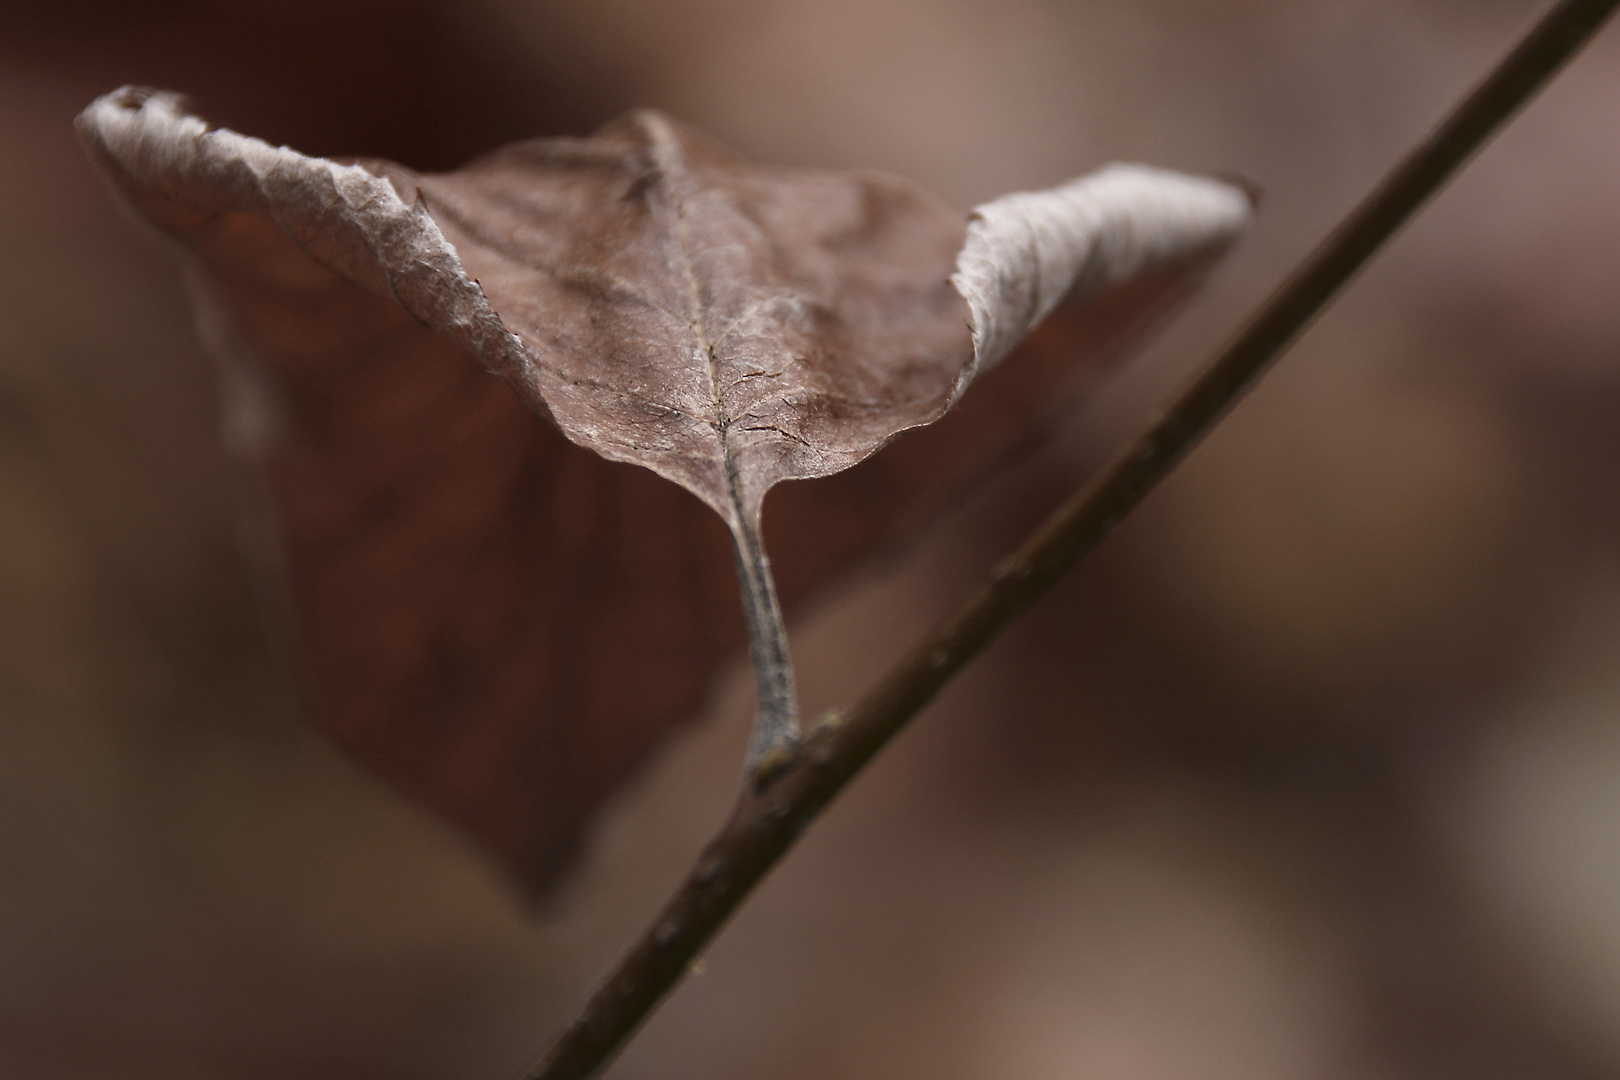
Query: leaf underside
{"points": [[494, 615]]}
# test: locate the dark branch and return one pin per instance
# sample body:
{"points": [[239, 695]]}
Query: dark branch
{"points": [[779, 805]]}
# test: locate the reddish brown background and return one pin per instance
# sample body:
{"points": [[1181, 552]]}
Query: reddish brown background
{"points": [[1313, 772]]}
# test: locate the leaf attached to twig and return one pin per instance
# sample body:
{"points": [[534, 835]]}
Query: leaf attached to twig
{"points": [[504, 624]]}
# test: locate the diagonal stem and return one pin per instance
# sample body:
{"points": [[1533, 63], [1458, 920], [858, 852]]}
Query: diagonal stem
{"points": [[777, 805]]}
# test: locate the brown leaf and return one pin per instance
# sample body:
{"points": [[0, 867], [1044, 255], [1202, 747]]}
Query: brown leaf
{"points": [[501, 622]]}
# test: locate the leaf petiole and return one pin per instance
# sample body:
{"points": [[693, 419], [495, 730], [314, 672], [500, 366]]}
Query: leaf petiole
{"points": [[776, 716]]}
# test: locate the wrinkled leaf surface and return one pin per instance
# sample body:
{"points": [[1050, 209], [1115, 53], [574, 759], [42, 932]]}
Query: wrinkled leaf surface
{"points": [[503, 622]]}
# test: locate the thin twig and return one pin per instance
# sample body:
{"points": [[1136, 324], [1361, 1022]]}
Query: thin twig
{"points": [[777, 806]]}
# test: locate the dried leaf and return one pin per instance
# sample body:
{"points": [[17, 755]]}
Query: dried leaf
{"points": [[500, 622]]}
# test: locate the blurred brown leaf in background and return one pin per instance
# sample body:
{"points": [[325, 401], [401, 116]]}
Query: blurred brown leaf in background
{"points": [[1313, 772]]}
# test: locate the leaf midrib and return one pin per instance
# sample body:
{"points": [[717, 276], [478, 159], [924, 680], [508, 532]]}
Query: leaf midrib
{"points": [[668, 160]]}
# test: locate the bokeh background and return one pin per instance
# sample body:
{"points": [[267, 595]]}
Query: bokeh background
{"points": [[1312, 772]]}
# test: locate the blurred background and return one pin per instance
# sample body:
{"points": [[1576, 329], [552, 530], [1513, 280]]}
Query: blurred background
{"points": [[1313, 771]]}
